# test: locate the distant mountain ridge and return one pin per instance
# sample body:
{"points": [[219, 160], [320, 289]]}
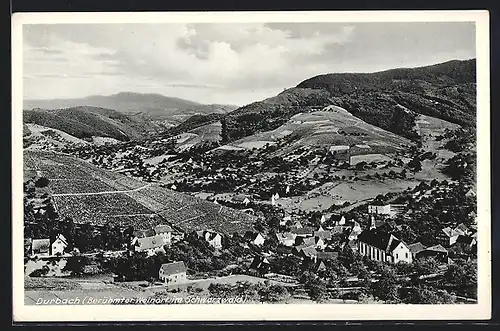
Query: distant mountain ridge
{"points": [[151, 105], [388, 99]]}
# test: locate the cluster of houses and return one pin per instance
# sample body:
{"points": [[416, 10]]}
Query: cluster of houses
{"points": [[379, 242], [386, 209], [151, 240], [45, 247]]}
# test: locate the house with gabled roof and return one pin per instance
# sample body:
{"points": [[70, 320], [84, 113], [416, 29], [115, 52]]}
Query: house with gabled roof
{"points": [[379, 245], [241, 199], [213, 238], [337, 219], [303, 232], [286, 239], [437, 251], [325, 235], [255, 238], [59, 245], [165, 231], [316, 242], [319, 266], [463, 228], [416, 248], [151, 245], [466, 240], [448, 236], [309, 253], [260, 264], [173, 273]]}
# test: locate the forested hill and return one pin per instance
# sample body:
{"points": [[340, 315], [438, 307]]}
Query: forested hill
{"points": [[446, 91], [388, 99]]}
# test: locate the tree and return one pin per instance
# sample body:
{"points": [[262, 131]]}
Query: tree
{"points": [[462, 274], [76, 265], [425, 266], [42, 182], [316, 289], [425, 295], [386, 287]]}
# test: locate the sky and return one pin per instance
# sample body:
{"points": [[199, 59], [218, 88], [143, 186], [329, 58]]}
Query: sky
{"points": [[225, 63]]}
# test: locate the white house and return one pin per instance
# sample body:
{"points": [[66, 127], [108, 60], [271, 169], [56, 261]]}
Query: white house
{"points": [[286, 239], [173, 273], [255, 238], [214, 239], [448, 236], [382, 246], [241, 199], [379, 210], [151, 245], [165, 231], [59, 245]]}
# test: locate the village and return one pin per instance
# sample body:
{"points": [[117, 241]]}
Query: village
{"points": [[394, 246], [343, 255]]}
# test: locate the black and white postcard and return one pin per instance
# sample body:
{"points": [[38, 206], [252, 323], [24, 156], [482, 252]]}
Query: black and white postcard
{"points": [[251, 166]]}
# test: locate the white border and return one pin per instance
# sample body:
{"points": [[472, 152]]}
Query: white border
{"points": [[260, 312]]}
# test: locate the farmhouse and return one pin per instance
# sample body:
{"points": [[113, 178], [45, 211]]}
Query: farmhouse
{"points": [[150, 244], [255, 238], [310, 242], [341, 152], [260, 264], [40, 247], [241, 199], [438, 252], [448, 236], [59, 245], [286, 239], [325, 235], [382, 246], [379, 209], [416, 248], [306, 253], [165, 231], [214, 239], [173, 273]]}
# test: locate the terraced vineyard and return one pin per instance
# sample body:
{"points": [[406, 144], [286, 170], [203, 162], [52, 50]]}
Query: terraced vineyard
{"points": [[88, 194], [68, 186], [97, 208], [190, 213]]}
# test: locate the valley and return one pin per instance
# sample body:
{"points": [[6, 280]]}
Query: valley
{"points": [[287, 190]]}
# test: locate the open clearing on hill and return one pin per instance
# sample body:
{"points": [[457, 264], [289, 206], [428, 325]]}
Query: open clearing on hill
{"points": [[330, 127], [337, 193]]}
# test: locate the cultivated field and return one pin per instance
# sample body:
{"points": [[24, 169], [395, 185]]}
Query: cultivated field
{"points": [[88, 194]]}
